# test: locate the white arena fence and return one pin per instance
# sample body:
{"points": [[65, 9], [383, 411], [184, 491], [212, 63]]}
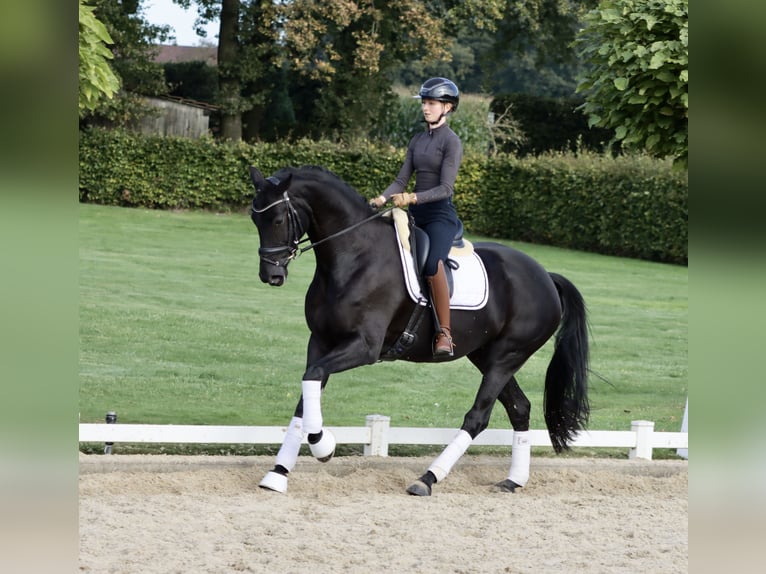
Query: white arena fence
{"points": [[377, 435]]}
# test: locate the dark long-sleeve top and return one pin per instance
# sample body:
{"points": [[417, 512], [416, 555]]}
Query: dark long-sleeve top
{"points": [[434, 156]]}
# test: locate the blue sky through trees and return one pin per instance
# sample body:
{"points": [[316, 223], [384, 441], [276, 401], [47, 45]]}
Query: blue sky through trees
{"points": [[182, 21]]}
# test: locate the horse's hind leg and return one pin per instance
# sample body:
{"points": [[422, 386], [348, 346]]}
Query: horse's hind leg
{"points": [[441, 467], [517, 406], [476, 420]]}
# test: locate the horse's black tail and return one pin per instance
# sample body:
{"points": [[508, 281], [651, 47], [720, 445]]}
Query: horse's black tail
{"points": [[566, 382]]}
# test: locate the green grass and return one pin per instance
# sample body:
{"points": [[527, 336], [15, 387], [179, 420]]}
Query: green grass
{"points": [[176, 328]]}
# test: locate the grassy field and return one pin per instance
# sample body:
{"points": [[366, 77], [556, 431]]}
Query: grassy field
{"points": [[176, 327]]}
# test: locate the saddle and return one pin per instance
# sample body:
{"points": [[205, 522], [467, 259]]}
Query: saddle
{"points": [[420, 243], [413, 245]]}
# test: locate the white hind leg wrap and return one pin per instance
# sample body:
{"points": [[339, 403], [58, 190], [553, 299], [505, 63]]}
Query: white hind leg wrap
{"points": [[291, 445], [449, 456], [312, 408], [520, 456]]}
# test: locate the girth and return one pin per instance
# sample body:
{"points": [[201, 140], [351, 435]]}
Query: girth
{"points": [[408, 336]]}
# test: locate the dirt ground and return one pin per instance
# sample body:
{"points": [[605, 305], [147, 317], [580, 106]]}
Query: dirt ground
{"points": [[205, 514]]}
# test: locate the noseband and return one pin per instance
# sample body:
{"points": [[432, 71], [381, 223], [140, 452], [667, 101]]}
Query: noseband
{"points": [[294, 227]]}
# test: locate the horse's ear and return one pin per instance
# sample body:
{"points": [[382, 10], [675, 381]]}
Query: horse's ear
{"points": [[285, 183], [257, 178]]}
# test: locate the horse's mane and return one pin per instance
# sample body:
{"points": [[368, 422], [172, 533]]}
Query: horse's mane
{"points": [[321, 174]]}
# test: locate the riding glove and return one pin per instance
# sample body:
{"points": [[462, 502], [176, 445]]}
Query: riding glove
{"points": [[377, 202], [404, 199]]}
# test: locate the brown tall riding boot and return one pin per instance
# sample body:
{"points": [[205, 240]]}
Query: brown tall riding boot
{"points": [[440, 299]]}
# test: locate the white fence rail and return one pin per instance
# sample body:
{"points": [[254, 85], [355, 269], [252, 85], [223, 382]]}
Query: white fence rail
{"points": [[377, 435]]}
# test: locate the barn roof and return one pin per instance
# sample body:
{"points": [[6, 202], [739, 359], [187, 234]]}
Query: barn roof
{"points": [[172, 53]]}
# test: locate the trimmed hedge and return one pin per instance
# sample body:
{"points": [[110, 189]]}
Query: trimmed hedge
{"points": [[128, 169], [628, 206]]}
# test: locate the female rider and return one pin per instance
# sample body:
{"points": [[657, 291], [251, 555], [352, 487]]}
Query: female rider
{"points": [[434, 157]]}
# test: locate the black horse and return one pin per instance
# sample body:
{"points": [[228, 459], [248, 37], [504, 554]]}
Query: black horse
{"points": [[357, 308]]}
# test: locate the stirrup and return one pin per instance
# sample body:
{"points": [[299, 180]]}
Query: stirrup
{"points": [[443, 352]]}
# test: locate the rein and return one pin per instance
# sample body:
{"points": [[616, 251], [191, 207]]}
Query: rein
{"points": [[294, 224], [342, 231]]}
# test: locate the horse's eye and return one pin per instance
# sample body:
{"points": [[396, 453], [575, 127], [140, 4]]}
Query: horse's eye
{"points": [[279, 221]]}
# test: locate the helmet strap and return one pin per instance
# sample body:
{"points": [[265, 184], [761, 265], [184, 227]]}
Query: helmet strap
{"points": [[443, 114]]}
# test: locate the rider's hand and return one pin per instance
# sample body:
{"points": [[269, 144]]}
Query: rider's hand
{"points": [[404, 199], [378, 202]]}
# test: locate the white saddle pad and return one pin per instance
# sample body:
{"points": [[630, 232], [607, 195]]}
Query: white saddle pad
{"points": [[471, 287]]}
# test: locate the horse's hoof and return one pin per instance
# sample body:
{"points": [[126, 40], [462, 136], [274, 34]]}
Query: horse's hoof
{"points": [[507, 486], [419, 488], [274, 481], [324, 449]]}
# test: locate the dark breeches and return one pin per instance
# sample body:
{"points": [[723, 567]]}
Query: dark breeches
{"points": [[441, 234]]}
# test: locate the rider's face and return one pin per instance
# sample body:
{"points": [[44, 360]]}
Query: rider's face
{"points": [[433, 109]]}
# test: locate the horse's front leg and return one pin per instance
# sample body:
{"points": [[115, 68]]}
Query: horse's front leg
{"points": [[321, 444], [307, 419], [353, 352], [276, 478], [321, 440]]}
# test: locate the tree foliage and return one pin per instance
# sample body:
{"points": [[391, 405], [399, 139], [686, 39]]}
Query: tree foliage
{"points": [[339, 55], [542, 28], [637, 80], [97, 79], [301, 68], [133, 42], [522, 46]]}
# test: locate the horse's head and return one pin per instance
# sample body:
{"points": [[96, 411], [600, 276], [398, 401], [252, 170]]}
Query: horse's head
{"points": [[279, 226]]}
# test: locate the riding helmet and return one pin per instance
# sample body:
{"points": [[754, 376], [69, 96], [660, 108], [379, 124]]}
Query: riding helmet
{"points": [[442, 90]]}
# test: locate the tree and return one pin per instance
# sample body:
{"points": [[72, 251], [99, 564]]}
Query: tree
{"points": [[342, 53], [133, 45], [542, 28], [525, 47], [249, 48], [229, 81], [325, 69], [338, 54], [97, 79], [637, 80]]}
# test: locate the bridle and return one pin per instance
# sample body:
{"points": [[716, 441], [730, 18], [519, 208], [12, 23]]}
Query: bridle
{"points": [[294, 228]]}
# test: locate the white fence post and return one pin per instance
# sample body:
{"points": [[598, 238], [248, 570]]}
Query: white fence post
{"points": [[644, 431], [378, 425]]}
